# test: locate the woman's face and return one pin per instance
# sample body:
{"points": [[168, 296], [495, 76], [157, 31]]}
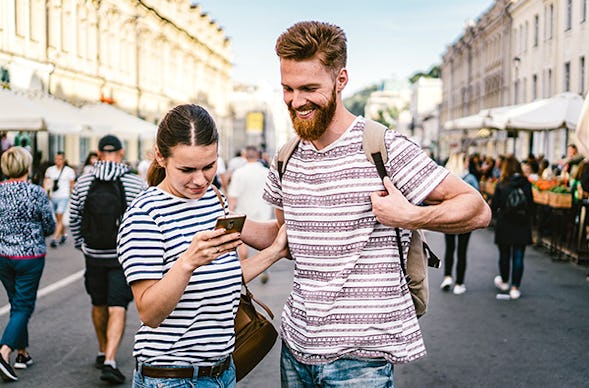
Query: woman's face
{"points": [[189, 170]]}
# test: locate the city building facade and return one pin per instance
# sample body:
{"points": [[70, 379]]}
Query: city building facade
{"points": [[141, 56], [516, 52]]}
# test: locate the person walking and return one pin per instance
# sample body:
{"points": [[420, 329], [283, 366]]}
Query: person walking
{"points": [[340, 219], [98, 202], [59, 182], [512, 205], [185, 275], [456, 165], [245, 195], [26, 219]]}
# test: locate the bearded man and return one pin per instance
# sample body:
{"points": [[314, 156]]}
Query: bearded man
{"points": [[350, 316]]}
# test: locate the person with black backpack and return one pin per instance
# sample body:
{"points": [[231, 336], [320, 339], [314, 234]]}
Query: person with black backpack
{"points": [[512, 206], [98, 203]]}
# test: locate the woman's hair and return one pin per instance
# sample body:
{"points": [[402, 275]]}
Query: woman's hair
{"points": [[186, 124], [16, 162], [304, 40], [509, 167], [89, 157], [455, 163]]}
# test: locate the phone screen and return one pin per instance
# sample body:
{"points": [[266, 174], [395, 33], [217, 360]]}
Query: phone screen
{"points": [[231, 224]]}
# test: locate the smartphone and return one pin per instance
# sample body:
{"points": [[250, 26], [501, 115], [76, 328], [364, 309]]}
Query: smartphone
{"points": [[232, 224]]}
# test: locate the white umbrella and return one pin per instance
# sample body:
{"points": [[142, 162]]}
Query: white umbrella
{"points": [[60, 116], [486, 118], [19, 113], [106, 118], [582, 130], [560, 111]]}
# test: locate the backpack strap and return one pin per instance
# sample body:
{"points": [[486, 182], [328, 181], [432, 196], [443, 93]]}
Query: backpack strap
{"points": [[374, 145], [284, 155], [377, 154]]}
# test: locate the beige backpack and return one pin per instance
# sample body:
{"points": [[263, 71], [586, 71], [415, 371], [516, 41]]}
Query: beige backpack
{"points": [[419, 256]]}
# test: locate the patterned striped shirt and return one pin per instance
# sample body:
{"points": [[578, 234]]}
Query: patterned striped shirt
{"points": [[157, 228], [108, 171], [349, 297]]}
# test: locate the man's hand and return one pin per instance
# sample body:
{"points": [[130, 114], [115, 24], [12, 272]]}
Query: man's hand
{"points": [[391, 208]]}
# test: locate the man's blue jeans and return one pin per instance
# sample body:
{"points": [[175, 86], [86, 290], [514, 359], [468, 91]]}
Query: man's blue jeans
{"points": [[343, 373], [21, 281]]}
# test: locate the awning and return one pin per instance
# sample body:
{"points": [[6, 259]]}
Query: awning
{"points": [[582, 130], [36, 111], [486, 118], [18, 113], [560, 111], [60, 116], [106, 118]]}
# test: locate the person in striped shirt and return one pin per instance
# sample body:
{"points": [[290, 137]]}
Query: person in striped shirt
{"points": [[185, 275], [350, 315], [104, 279]]}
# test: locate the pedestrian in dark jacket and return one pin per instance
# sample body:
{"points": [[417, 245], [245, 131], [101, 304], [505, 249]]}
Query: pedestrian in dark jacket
{"points": [[513, 231]]}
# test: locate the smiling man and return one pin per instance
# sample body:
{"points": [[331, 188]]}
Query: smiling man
{"points": [[350, 316]]}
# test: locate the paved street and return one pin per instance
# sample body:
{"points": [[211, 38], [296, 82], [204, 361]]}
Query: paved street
{"points": [[473, 340]]}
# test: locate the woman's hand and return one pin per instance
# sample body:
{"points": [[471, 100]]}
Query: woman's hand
{"points": [[280, 243], [206, 246]]}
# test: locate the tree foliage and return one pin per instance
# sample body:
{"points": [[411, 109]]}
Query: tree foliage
{"points": [[434, 72], [357, 101]]}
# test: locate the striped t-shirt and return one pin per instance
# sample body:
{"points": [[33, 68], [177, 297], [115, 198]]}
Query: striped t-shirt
{"points": [[157, 228], [349, 297]]}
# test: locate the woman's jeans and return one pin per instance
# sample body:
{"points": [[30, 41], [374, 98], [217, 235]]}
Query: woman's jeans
{"points": [[21, 280], [344, 373], [511, 254], [226, 380], [449, 256]]}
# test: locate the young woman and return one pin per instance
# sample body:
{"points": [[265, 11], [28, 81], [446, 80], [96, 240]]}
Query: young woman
{"points": [[513, 231], [25, 220], [186, 276]]}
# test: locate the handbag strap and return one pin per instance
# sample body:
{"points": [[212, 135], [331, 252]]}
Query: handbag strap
{"points": [[251, 296], [248, 293], [220, 198]]}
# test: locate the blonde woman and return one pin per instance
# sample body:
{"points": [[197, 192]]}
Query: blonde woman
{"points": [[25, 220]]}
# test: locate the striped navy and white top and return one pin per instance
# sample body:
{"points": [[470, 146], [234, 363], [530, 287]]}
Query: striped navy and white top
{"points": [[157, 228], [108, 171], [349, 297]]}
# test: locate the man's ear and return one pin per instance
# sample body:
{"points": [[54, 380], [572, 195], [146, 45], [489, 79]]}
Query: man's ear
{"points": [[342, 79]]}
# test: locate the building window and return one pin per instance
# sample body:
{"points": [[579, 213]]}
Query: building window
{"points": [[551, 23], [582, 75], [569, 21], [20, 18], [583, 10], [536, 29], [567, 77], [534, 87]]}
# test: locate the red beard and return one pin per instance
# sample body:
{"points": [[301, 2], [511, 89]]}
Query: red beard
{"points": [[313, 129]]}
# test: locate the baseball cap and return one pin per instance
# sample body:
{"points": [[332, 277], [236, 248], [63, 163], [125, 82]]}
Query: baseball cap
{"points": [[109, 143]]}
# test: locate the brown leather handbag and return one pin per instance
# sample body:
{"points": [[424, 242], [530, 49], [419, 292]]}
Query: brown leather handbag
{"points": [[254, 334]]}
